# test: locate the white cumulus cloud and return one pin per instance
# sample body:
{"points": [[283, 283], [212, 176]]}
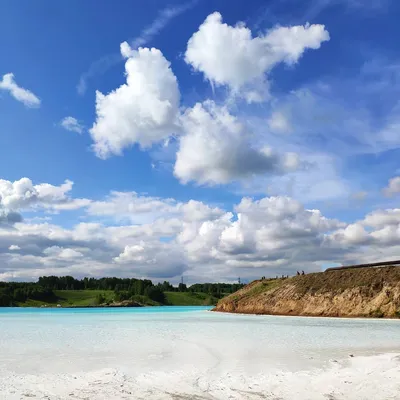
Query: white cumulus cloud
{"points": [[381, 218], [143, 110], [279, 123], [72, 124], [23, 194], [352, 234], [152, 259], [230, 55], [63, 253], [25, 96], [393, 186], [267, 236], [132, 206], [8, 217], [216, 148]]}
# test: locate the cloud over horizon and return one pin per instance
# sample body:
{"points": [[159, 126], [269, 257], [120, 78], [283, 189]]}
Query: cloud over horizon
{"points": [[256, 237]]}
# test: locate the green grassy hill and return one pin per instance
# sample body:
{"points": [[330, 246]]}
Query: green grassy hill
{"points": [[71, 298], [82, 298], [190, 299]]}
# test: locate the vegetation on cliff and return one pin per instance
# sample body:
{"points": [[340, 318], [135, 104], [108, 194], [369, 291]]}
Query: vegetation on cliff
{"points": [[365, 292]]}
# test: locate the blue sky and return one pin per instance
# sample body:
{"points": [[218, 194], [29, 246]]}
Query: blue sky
{"points": [[266, 100]]}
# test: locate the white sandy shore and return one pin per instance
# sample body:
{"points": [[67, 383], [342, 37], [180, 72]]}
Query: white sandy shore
{"points": [[197, 355], [373, 377]]}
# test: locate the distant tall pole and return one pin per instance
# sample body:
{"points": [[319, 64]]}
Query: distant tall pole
{"points": [[182, 279], [239, 280]]}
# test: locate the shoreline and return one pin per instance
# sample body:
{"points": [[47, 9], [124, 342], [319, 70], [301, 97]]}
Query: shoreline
{"points": [[116, 305], [90, 307], [363, 317]]}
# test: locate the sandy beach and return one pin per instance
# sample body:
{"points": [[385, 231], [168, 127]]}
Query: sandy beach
{"points": [[191, 353]]}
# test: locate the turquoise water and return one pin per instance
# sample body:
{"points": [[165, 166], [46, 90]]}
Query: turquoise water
{"points": [[105, 310], [184, 352]]}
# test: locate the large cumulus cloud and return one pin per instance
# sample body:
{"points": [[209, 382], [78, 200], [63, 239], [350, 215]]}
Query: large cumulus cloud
{"points": [[267, 236], [231, 56], [141, 111], [216, 148]]}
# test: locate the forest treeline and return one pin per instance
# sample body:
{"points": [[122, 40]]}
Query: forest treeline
{"points": [[12, 293]]}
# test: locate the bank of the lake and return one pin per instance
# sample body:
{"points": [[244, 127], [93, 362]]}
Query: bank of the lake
{"points": [[191, 353], [364, 292]]}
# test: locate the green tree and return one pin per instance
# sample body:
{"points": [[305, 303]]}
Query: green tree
{"points": [[100, 299], [155, 293], [182, 287]]}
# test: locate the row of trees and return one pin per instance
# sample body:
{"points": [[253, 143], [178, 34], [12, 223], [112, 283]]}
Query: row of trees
{"points": [[157, 292], [136, 286], [71, 283], [124, 288], [154, 293], [14, 292], [216, 289]]}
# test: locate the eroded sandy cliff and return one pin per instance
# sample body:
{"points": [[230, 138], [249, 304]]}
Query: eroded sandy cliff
{"points": [[366, 292]]}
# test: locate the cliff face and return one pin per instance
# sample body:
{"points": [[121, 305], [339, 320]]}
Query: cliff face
{"points": [[366, 292]]}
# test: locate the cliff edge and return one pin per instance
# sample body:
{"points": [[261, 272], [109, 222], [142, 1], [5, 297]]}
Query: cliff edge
{"points": [[365, 292]]}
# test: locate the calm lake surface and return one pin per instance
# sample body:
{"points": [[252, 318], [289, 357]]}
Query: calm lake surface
{"points": [[192, 353]]}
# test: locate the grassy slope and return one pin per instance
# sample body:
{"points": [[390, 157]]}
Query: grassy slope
{"points": [[88, 298], [190, 299], [71, 298], [255, 288], [144, 300], [81, 297], [33, 303]]}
